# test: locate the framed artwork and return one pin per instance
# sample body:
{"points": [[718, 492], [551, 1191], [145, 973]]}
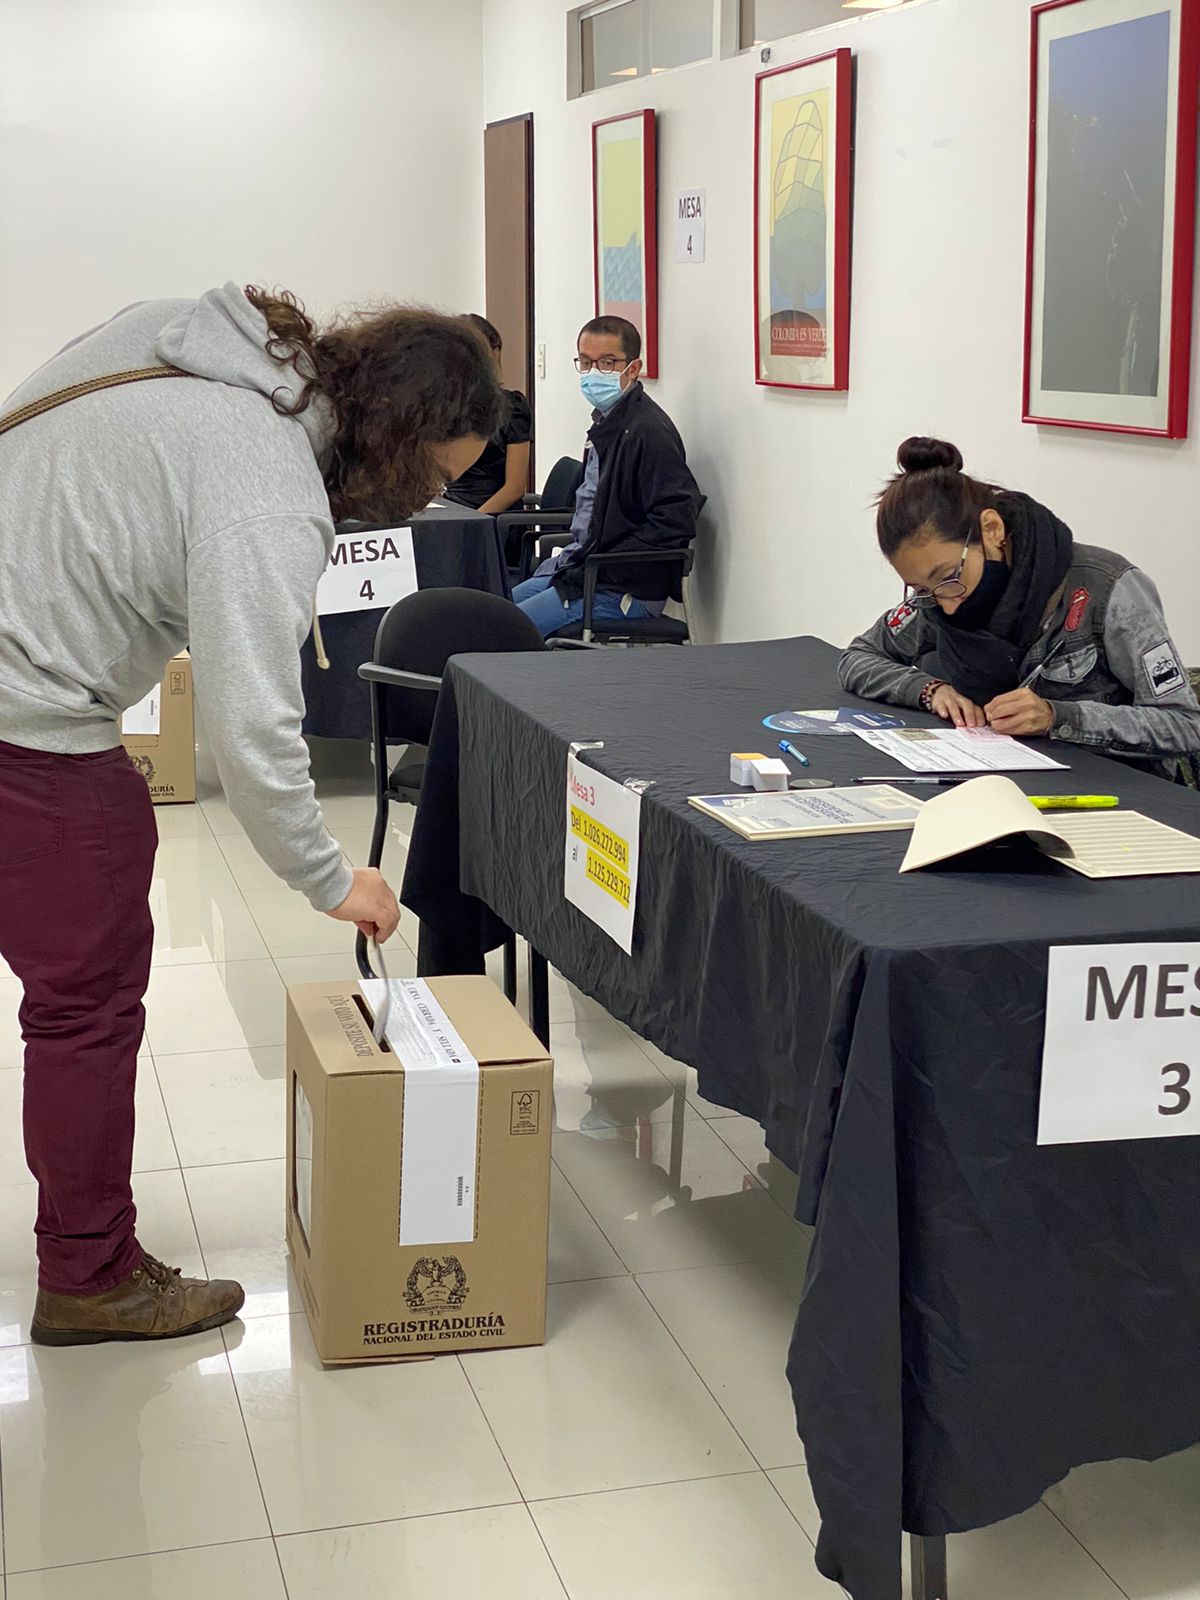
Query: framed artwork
{"points": [[625, 225], [803, 148], [1112, 200]]}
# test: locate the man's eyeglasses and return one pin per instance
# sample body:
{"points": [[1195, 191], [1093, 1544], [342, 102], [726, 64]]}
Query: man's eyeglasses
{"points": [[952, 588], [585, 364]]}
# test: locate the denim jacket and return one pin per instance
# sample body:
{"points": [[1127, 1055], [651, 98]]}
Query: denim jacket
{"points": [[1107, 662]]}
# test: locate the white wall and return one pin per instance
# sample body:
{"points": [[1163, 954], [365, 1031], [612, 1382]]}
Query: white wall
{"points": [[937, 314], [155, 147]]}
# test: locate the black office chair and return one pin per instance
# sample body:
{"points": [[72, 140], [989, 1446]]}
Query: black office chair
{"points": [[553, 508], [415, 640], [635, 630], [626, 630]]}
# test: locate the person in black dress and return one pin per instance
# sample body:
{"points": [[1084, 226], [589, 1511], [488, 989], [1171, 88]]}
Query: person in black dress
{"points": [[501, 475]]}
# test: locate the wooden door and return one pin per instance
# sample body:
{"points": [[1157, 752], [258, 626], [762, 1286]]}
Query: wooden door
{"points": [[508, 246]]}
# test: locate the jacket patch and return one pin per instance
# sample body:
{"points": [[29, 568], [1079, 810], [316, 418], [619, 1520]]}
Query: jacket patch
{"points": [[1079, 604], [901, 617], [1163, 670]]}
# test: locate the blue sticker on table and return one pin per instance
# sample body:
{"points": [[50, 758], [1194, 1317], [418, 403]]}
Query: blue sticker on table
{"points": [[839, 721]]}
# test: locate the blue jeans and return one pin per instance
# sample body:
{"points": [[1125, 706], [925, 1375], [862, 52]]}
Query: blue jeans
{"points": [[545, 607]]}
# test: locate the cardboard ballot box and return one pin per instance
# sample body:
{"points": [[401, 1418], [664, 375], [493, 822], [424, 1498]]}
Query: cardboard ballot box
{"points": [[418, 1178], [160, 735]]}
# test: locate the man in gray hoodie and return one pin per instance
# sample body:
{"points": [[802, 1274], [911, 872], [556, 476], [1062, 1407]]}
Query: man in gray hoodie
{"points": [[195, 510]]}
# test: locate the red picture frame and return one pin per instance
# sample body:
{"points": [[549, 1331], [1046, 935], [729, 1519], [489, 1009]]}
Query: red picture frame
{"points": [[833, 72], [643, 313], [1131, 408]]}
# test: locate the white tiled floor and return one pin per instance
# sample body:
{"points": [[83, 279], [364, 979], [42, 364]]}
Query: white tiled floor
{"points": [[646, 1452]]}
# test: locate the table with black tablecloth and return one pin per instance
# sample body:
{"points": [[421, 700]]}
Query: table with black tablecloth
{"points": [[980, 1315], [453, 547]]}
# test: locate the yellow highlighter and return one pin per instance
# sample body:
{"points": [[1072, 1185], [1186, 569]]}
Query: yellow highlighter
{"points": [[1073, 802]]}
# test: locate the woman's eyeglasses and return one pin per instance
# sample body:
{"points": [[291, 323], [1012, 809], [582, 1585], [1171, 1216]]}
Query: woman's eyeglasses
{"points": [[952, 588]]}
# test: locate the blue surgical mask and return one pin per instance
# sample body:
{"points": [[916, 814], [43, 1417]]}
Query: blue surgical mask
{"points": [[601, 390]]}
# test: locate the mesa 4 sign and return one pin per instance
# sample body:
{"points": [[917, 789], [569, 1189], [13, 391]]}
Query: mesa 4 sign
{"points": [[1122, 1052], [690, 214], [369, 570]]}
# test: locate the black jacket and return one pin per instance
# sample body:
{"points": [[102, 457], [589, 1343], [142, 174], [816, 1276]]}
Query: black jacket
{"points": [[646, 499]]}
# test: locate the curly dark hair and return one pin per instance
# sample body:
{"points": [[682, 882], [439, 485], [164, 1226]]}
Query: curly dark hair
{"points": [[487, 329], [401, 381]]}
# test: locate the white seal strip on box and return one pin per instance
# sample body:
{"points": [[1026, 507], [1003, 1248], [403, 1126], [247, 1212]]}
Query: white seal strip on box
{"points": [[145, 718], [441, 1114], [303, 1145]]}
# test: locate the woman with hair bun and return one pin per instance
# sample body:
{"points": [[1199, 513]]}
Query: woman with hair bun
{"points": [[1007, 623]]}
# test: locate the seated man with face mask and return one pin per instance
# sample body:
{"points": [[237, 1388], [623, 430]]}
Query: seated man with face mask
{"points": [[637, 492]]}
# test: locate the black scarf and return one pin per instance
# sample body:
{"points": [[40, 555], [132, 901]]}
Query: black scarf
{"points": [[985, 663]]}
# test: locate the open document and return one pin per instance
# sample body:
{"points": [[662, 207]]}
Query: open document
{"points": [[955, 750], [1098, 844], [1121, 844]]}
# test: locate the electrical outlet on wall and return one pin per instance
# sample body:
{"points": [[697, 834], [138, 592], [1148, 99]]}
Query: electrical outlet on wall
{"points": [[541, 360]]}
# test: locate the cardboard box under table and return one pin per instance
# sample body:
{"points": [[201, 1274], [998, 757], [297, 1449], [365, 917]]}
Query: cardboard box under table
{"points": [[159, 734], [418, 1196]]}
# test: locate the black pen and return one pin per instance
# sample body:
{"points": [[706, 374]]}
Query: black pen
{"points": [[931, 783]]}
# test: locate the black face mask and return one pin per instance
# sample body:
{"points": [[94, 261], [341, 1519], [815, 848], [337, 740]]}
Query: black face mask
{"points": [[975, 612]]}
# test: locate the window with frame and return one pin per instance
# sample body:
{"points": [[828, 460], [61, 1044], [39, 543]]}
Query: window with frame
{"points": [[764, 20], [622, 39]]}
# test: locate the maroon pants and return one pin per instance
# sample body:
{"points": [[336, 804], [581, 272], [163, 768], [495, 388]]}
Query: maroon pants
{"points": [[77, 842]]}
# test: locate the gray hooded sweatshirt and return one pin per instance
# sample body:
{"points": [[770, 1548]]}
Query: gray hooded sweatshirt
{"points": [[138, 521]]}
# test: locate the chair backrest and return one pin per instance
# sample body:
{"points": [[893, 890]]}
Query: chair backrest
{"points": [[562, 484], [421, 632], [675, 588]]}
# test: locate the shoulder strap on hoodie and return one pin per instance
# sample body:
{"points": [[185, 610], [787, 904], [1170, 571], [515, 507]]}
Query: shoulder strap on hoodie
{"points": [[61, 396]]}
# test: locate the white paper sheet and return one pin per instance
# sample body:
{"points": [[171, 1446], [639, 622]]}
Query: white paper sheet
{"points": [[441, 1115], [956, 750], [1122, 844], [302, 1134], [145, 718]]}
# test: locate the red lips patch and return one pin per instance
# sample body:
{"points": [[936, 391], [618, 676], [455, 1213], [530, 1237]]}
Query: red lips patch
{"points": [[1079, 604]]}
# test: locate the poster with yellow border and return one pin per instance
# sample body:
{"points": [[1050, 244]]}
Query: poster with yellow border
{"points": [[802, 224], [624, 226]]}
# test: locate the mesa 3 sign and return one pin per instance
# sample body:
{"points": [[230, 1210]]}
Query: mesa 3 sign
{"points": [[601, 867]]}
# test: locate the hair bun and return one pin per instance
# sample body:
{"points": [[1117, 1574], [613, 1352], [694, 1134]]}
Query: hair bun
{"points": [[927, 455]]}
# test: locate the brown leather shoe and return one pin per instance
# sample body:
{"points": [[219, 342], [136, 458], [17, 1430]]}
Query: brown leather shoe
{"points": [[154, 1303]]}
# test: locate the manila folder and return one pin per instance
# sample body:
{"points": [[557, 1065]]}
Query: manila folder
{"points": [[971, 815]]}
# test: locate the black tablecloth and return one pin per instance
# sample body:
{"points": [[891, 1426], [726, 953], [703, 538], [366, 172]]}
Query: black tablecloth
{"points": [[979, 1314], [454, 547]]}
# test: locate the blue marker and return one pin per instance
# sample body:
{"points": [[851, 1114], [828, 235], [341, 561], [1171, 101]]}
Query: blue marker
{"points": [[790, 750]]}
